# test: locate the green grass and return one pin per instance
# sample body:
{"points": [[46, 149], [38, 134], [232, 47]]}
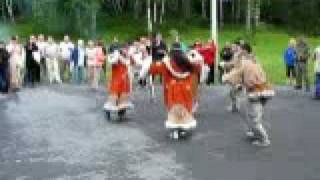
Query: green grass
{"points": [[269, 42]]}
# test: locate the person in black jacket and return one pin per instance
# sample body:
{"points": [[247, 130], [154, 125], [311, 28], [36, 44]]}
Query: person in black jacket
{"points": [[226, 55], [32, 66], [4, 69], [158, 50]]}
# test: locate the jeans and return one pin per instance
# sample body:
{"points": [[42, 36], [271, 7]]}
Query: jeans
{"points": [[302, 74], [64, 66], [53, 70], [317, 85], [78, 74], [255, 110], [4, 83]]}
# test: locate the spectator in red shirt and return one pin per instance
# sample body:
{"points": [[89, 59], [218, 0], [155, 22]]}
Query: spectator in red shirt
{"points": [[208, 52]]}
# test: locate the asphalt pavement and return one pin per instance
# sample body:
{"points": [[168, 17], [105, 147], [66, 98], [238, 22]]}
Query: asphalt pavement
{"points": [[61, 133]]}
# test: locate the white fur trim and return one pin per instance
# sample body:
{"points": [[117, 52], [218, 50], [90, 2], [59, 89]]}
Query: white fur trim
{"points": [[178, 75], [187, 126], [125, 60], [127, 105], [204, 73], [145, 67], [137, 58], [110, 107], [114, 57], [195, 57], [265, 93]]}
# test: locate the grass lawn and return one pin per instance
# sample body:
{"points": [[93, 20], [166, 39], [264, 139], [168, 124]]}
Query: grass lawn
{"points": [[269, 42]]}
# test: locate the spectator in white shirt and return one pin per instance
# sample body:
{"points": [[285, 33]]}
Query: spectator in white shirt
{"points": [[41, 43], [65, 50], [51, 54]]}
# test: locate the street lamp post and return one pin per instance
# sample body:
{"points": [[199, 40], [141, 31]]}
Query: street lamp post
{"points": [[214, 24], [214, 20]]}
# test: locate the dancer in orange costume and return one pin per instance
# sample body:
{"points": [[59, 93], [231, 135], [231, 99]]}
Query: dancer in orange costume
{"points": [[119, 85], [177, 81]]}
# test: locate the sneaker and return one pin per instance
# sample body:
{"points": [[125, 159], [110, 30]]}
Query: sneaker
{"points": [[260, 143]]}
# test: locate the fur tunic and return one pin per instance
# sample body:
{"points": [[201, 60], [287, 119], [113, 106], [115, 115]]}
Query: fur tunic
{"points": [[176, 91]]}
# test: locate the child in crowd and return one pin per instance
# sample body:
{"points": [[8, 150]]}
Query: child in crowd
{"points": [[290, 57]]}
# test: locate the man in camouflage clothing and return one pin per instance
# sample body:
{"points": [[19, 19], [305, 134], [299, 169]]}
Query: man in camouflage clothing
{"points": [[303, 54]]}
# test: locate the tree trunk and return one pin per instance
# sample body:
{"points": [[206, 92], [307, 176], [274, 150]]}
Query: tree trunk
{"points": [[155, 11], [136, 9], [238, 11], [3, 10], [248, 23], [93, 21], [10, 9], [187, 8], [233, 11], [79, 24], [257, 13], [162, 11], [203, 9], [221, 13]]}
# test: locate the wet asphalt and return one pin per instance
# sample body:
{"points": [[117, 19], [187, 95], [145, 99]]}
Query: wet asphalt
{"points": [[60, 132]]}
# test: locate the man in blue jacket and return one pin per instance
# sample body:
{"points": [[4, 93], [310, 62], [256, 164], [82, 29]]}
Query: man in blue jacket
{"points": [[78, 58]]}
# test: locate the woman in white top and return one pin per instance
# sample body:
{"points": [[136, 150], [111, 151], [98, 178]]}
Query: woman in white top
{"points": [[16, 63], [91, 62], [51, 55], [42, 43], [66, 47]]}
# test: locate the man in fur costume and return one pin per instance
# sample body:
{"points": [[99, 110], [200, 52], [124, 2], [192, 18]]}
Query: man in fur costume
{"points": [[253, 79], [235, 90], [176, 72], [119, 85]]}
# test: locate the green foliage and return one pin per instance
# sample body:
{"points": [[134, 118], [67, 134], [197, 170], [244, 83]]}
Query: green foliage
{"points": [[269, 44], [297, 15]]}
